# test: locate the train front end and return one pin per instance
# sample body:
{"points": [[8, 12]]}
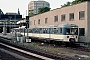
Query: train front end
{"points": [[72, 33]]}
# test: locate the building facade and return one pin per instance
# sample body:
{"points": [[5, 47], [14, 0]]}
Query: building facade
{"points": [[78, 14], [34, 5], [9, 21]]}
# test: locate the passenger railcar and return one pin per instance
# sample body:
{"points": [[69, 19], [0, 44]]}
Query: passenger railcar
{"points": [[67, 33]]}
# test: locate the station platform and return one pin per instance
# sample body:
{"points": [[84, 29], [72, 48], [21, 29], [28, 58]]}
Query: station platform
{"points": [[7, 35], [14, 38]]}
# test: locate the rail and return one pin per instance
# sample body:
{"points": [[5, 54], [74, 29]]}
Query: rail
{"points": [[42, 55]]}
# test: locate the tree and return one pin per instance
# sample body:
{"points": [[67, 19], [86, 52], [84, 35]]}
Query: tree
{"points": [[43, 9], [73, 2], [23, 18], [67, 4], [77, 1], [31, 14]]}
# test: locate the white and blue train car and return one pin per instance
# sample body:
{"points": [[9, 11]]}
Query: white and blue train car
{"points": [[58, 33]]}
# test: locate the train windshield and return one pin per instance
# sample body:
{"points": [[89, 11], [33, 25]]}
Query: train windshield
{"points": [[72, 31]]}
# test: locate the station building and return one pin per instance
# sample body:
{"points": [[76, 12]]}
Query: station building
{"points": [[9, 21], [78, 14]]}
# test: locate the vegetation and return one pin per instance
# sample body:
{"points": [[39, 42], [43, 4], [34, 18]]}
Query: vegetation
{"points": [[88, 58], [73, 2], [46, 48], [67, 4], [46, 9], [31, 14], [23, 18], [40, 10], [43, 9]]}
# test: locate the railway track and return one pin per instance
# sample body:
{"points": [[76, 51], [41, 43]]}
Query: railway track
{"points": [[27, 51], [85, 49], [78, 48], [10, 54]]}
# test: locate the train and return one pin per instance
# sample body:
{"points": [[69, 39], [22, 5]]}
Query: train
{"points": [[61, 33]]}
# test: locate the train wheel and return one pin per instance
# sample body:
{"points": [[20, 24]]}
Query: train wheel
{"points": [[66, 44], [60, 43], [52, 41]]}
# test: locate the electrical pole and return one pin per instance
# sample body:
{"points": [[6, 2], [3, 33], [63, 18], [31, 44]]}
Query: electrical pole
{"points": [[27, 24]]}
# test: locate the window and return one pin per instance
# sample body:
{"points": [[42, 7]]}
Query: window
{"points": [[36, 30], [47, 5], [81, 31], [30, 30], [39, 21], [81, 15], [40, 30], [56, 18], [34, 22], [45, 30], [71, 16], [63, 17], [46, 20], [55, 31], [60, 30], [67, 30], [50, 30]]}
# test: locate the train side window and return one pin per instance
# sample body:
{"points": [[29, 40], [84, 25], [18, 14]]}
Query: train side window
{"points": [[45, 30], [67, 31], [30, 30], [50, 30], [81, 31], [36, 30], [40, 30], [55, 30], [33, 30], [60, 30]]}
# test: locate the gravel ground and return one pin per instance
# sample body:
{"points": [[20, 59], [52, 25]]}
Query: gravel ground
{"points": [[5, 56], [76, 55]]}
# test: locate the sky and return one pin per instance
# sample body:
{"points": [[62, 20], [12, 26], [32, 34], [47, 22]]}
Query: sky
{"points": [[13, 5]]}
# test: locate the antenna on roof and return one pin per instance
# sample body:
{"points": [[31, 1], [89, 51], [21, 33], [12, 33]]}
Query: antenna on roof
{"points": [[18, 12]]}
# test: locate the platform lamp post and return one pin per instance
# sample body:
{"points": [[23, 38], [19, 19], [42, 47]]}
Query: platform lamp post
{"points": [[24, 28], [9, 23], [6, 25], [27, 24], [4, 28], [24, 25]]}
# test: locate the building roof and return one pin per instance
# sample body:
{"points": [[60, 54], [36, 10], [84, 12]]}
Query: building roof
{"points": [[9, 13], [1, 12]]}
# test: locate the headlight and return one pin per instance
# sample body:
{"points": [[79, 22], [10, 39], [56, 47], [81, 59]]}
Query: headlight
{"points": [[67, 36]]}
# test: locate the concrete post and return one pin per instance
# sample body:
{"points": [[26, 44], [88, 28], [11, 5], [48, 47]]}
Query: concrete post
{"points": [[4, 30]]}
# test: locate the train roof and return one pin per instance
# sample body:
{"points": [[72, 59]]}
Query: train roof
{"points": [[22, 27], [55, 26], [21, 21], [68, 25]]}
